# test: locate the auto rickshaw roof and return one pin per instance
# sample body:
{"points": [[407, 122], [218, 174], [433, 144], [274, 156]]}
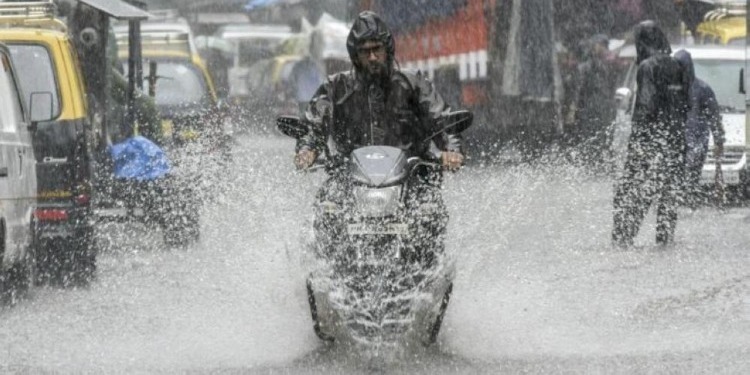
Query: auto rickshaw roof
{"points": [[30, 14], [118, 9]]}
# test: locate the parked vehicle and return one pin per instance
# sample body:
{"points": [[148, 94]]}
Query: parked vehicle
{"points": [[135, 178], [64, 141], [272, 93], [720, 66], [245, 47], [251, 43], [183, 87], [17, 182], [185, 98], [725, 30], [166, 34]]}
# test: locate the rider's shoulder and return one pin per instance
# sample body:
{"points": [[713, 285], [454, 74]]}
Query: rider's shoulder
{"points": [[411, 78], [412, 75], [344, 76]]}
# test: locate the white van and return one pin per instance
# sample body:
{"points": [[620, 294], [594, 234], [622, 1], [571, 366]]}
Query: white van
{"points": [[17, 185]]}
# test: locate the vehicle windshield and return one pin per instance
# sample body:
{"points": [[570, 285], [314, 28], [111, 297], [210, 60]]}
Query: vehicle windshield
{"points": [[178, 84], [252, 51], [35, 72], [723, 76], [11, 113]]}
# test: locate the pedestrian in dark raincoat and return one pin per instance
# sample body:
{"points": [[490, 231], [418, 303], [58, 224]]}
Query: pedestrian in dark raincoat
{"points": [[655, 164], [704, 116]]}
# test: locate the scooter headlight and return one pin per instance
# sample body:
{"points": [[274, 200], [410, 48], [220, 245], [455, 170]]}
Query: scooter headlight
{"points": [[377, 202]]}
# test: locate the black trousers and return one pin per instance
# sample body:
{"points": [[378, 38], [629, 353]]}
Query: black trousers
{"points": [[648, 177]]}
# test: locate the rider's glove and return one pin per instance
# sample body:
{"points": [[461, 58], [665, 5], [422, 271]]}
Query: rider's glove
{"points": [[305, 158], [451, 160]]}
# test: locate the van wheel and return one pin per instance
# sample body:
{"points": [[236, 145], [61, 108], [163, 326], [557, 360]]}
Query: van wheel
{"points": [[83, 266], [27, 271], [7, 290], [66, 263], [16, 281]]}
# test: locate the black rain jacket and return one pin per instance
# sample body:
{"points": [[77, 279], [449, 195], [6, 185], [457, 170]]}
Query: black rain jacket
{"points": [[704, 115], [662, 99], [342, 109]]}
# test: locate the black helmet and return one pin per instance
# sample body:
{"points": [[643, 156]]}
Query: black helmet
{"points": [[369, 26]]}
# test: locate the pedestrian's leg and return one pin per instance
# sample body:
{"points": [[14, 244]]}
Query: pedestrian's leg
{"points": [[631, 203], [666, 218], [666, 211], [691, 195]]}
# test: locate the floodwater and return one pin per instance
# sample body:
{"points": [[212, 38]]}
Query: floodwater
{"points": [[538, 289]]}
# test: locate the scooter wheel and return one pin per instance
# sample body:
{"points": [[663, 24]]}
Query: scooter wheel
{"points": [[314, 312], [435, 328]]}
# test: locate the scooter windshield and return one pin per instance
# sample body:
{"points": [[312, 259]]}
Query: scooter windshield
{"points": [[378, 166]]}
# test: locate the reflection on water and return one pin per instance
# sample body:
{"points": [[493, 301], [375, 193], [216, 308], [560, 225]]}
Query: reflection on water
{"points": [[538, 288]]}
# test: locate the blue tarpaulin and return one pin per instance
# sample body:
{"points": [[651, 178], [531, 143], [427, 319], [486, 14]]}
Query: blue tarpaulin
{"points": [[139, 159], [405, 14], [254, 4], [257, 4]]}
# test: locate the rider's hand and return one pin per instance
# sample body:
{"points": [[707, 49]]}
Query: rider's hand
{"points": [[305, 158], [718, 150], [452, 161]]}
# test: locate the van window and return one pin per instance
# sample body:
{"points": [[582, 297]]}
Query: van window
{"points": [[253, 51], [722, 75], [737, 42], [35, 72], [259, 74], [11, 112], [179, 84]]}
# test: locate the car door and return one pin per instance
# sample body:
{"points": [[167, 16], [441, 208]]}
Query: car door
{"points": [[17, 175]]}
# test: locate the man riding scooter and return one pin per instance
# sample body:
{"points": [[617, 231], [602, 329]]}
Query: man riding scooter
{"points": [[380, 221], [374, 103], [377, 104]]}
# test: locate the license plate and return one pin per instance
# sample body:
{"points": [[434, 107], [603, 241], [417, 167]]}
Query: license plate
{"points": [[167, 127], [366, 228], [730, 177]]}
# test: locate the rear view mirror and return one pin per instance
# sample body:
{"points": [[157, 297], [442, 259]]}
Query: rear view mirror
{"points": [[40, 106], [458, 121], [742, 80], [622, 97], [291, 126], [152, 77], [453, 123]]}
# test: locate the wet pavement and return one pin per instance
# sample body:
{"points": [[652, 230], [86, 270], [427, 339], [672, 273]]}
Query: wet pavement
{"points": [[539, 288]]}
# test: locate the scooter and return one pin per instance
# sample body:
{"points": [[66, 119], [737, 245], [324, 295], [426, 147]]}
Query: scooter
{"points": [[381, 275]]}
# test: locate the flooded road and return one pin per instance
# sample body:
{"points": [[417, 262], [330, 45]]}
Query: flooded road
{"points": [[539, 289]]}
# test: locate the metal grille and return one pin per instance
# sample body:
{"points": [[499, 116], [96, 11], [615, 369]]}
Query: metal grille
{"points": [[729, 157], [44, 9], [726, 8]]}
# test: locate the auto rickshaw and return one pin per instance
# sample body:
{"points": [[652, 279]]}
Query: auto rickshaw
{"points": [[133, 180]]}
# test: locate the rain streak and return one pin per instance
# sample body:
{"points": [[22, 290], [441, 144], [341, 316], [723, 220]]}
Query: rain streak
{"points": [[374, 186]]}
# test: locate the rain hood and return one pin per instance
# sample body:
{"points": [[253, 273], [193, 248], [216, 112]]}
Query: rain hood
{"points": [[650, 40], [686, 61]]}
